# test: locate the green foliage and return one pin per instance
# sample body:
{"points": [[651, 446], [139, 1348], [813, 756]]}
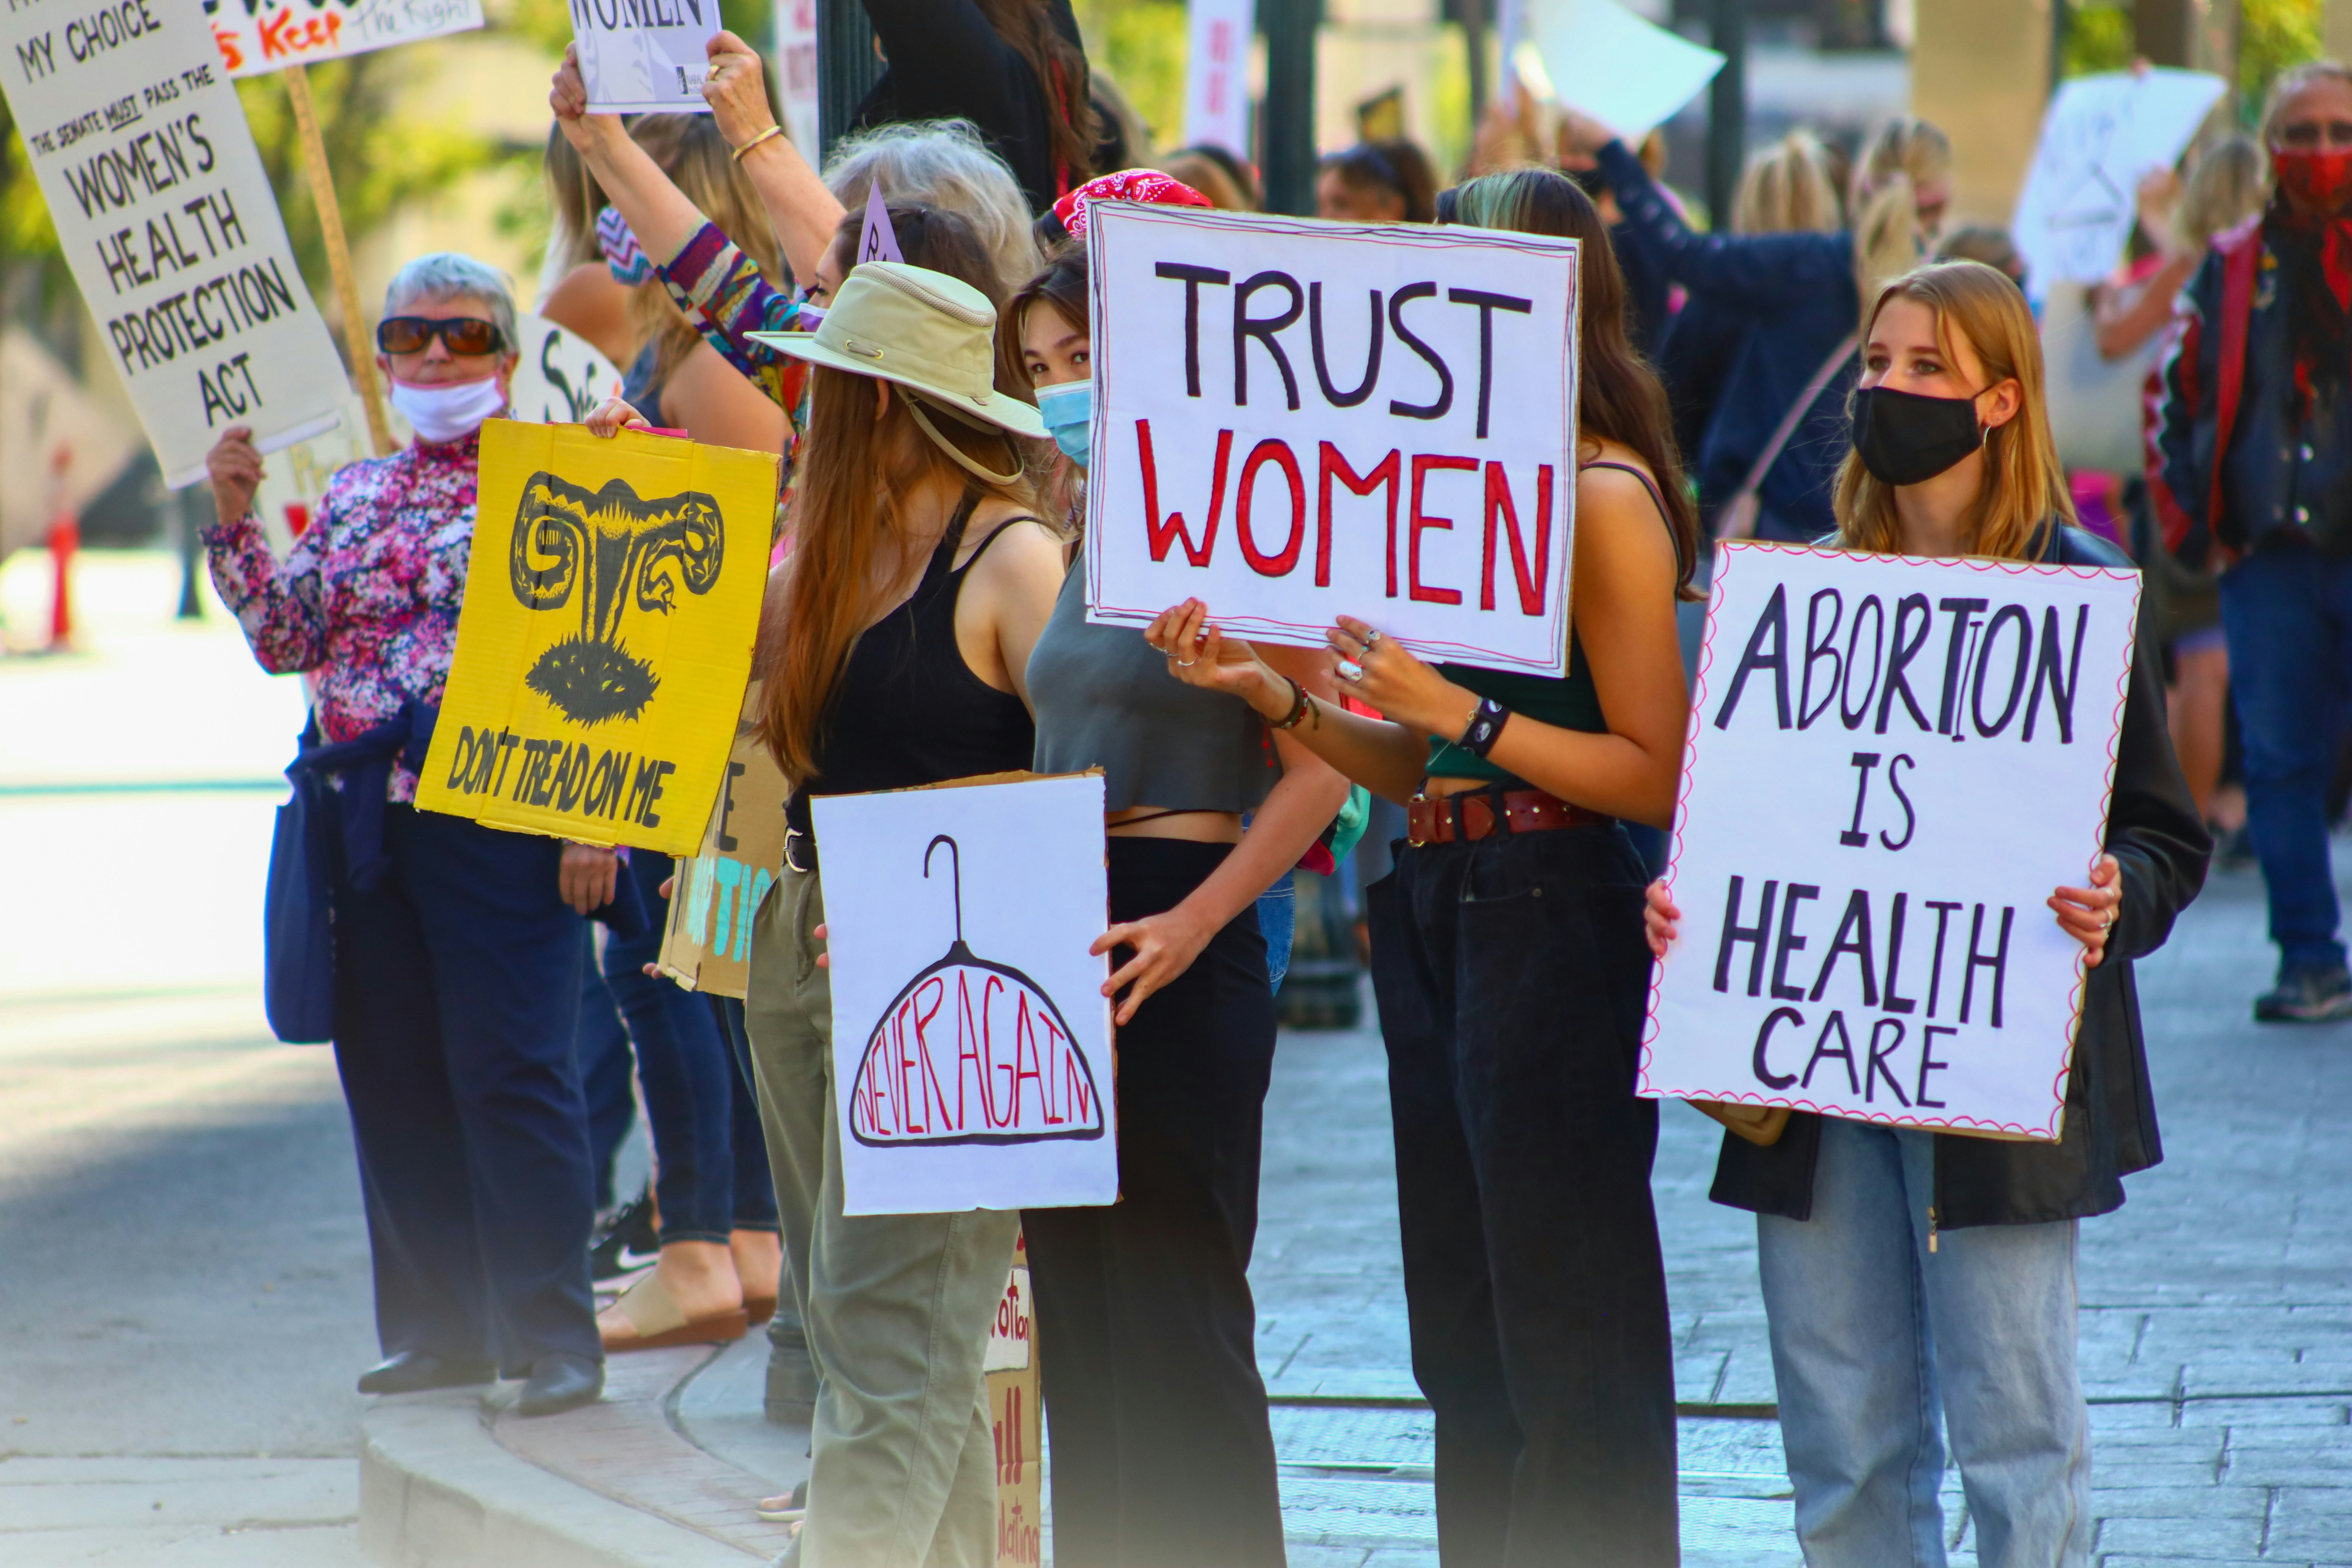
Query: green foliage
{"points": [[1141, 45], [2099, 37], [2273, 36]]}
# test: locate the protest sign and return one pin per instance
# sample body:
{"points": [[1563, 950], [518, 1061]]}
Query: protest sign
{"points": [[560, 377], [612, 596], [1216, 75], [165, 215], [796, 84], [1296, 420], [1015, 1405], [644, 56], [708, 944], [1893, 764], [1629, 74], [971, 1038], [257, 36], [2100, 134]]}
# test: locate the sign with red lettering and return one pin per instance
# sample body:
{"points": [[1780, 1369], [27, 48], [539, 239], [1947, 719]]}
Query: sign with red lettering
{"points": [[1296, 420], [971, 1038], [258, 37], [1893, 764], [164, 213]]}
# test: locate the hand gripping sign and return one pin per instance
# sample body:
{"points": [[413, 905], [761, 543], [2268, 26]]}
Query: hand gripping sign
{"points": [[1295, 420], [644, 56], [1893, 763], [164, 213], [612, 598], [971, 1038]]}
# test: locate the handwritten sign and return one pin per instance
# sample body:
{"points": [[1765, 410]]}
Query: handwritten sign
{"points": [[1295, 420], [644, 56], [1014, 1405], [258, 37], [1893, 763], [2100, 134], [612, 596], [560, 377], [1216, 75], [708, 944], [165, 215], [970, 1038]]}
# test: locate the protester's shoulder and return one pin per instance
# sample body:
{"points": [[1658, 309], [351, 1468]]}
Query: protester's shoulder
{"points": [[2074, 546], [1018, 548]]}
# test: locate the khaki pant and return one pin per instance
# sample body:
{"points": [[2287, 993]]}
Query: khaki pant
{"points": [[898, 1307]]}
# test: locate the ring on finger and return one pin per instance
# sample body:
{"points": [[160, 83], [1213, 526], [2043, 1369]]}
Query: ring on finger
{"points": [[1351, 671]]}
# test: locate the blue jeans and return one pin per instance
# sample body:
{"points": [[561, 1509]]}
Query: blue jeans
{"points": [[607, 1071], [710, 1165], [2287, 611], [1278, 921], [1877, 1343]]}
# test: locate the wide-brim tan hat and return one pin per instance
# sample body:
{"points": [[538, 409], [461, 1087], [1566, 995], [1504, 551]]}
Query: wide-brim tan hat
{"points": [[930, 332]]}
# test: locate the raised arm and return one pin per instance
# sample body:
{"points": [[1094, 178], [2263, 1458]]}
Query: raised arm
{"points": [[803, 209], [277, 604]]}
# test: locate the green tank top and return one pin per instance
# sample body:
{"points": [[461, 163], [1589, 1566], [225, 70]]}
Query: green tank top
{"points": [[1571, 702]]}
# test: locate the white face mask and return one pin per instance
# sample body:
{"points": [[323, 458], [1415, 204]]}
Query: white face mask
{"points": [[450, 410]]}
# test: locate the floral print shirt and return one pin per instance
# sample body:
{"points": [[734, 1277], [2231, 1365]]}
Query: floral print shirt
{"points": [[368, 598]]}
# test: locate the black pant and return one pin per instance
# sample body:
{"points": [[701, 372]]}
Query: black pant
{"points": [[1512, 979], [456, 989], [1157, 1415]]}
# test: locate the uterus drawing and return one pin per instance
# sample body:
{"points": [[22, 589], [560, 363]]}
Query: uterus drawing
{"points": [[616, 556]]}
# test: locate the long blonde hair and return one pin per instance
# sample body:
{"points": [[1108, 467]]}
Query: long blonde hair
{"points": [[2023, 485], [1787, 190], [694, 155], [1904, 155]]}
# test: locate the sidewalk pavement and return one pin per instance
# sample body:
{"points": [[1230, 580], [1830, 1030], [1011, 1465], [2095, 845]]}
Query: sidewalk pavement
{"points": [[2216, 1336]]}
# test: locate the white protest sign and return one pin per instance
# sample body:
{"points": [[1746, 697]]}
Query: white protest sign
{"points": [[796, 72], [644, 56], [562, 377], [169, 223], [1296, 420], [2100, 134], [1893, 763], [971, 1038], [1629, 74], [257, 36], [1216, 75]]}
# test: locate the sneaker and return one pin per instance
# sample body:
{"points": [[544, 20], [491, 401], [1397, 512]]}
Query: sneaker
{"points": [[2308, 996], [625, 1240]]}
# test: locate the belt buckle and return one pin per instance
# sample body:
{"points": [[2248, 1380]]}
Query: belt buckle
{"points": [[790, 863], [1425, 803]]}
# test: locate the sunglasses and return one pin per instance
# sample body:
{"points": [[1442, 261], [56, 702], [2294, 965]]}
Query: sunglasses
{"points": [[415, 334], [2312, 132]]}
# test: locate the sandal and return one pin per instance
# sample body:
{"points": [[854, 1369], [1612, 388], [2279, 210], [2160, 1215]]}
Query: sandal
{"points": [[788, 1508], [661, 1323], [758, 1309]]}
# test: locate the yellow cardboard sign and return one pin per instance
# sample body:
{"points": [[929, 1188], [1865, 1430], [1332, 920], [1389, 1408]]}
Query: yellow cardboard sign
{"points": [[612, 598]]}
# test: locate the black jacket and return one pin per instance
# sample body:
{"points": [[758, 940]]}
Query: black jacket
{"points": [[947, 63], [2155, 834]]}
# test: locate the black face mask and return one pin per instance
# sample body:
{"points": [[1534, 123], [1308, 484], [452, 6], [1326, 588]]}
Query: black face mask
{"points": [[1903, 439]]}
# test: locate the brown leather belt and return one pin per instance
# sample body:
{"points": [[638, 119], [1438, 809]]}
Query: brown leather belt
{"points": [[1475, 815]]}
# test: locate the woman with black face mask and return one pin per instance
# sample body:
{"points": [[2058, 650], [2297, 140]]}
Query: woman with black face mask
{"points": [[1922, 1282]]}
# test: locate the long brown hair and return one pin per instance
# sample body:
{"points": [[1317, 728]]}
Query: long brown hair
{"points": [[690, 151], [852, 549], [1061, 67], [1618, 394], [2023, 485]]}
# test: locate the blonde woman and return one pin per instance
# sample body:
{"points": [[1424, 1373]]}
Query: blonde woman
{"points": [[1918, 1283], [1805, 291]]}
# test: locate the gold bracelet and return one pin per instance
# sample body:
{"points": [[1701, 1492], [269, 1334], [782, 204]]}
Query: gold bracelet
{"points": [[772, 131]]}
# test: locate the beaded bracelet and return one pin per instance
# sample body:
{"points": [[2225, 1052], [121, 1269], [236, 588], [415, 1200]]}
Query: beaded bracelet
{"points": [[1299, 702]]}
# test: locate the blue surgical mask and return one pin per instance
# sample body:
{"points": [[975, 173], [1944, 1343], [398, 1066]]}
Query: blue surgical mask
{"points": [[1068, 411]]}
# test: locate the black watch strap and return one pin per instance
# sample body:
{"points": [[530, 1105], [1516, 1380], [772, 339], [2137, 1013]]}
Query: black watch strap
{"points": [[1485, 727]]}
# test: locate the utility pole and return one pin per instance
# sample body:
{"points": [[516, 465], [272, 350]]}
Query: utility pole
{"points": [[1726, 109], [846, 69], [1287, 160]]}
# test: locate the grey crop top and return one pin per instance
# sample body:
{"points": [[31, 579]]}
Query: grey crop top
{"points": [[1104, 699]]}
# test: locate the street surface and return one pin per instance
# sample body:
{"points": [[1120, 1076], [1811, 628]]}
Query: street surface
{"points": [[184, 1297]]}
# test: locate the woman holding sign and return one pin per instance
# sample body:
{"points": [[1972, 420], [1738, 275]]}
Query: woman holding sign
{"points": [[1163, 1451], [1506, 954], [1916, 1281]]}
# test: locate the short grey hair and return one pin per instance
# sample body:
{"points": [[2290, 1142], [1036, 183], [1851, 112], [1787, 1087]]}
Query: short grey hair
{"points": [[941, 163], [445, 273]]}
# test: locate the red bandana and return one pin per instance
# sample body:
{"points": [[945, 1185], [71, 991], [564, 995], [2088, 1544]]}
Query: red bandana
{"points": [[1148, 185]]}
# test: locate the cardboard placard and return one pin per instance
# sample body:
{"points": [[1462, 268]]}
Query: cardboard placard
{"points": [[708, 944], [644, 56], [1014, 1406], [2099, 135], [560, 377], [1216, 74], [1893, 763], [1623, 69], [971, 1038], [257, 36], [612, 598], [1296, 420], [168, 221]]}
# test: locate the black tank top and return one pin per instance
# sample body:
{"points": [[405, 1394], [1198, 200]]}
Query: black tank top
{"points": [[908, 709]]}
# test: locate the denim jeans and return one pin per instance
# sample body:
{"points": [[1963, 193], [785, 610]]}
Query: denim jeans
{"points": [[1278, 921], [2288, 610], [1878, 1344], [710, 1172], [608, 1072]]}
